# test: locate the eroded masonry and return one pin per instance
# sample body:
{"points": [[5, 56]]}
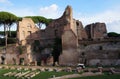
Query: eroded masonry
{"points": [[63, 42]]}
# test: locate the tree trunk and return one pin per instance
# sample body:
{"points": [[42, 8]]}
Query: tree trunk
{"points": [[6, 35], [39, 24], [9, 31]]}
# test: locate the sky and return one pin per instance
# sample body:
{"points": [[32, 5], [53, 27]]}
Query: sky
{"points": [[87, 11]]}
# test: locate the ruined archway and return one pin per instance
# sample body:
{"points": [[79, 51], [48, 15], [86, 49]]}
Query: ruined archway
{"points": [[3, 59]]}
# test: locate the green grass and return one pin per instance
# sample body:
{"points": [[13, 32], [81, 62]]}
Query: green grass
{"points": [[41, 75], [2, 71], [47, 74]]}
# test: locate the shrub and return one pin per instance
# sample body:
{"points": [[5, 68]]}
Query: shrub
{"points": [[11, 40]]}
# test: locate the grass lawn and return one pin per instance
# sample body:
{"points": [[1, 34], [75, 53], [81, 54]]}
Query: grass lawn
{"points": [[41, 75], [49, 74], [46, 75]]}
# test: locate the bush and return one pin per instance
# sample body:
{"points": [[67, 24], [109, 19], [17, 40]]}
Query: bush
{"points": [[1, 32], [11, 40], [2, 41], [13, 34]]}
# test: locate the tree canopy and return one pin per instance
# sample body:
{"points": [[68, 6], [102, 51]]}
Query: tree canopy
{"points": [[113, 34], [39, 19], [7, 18]]}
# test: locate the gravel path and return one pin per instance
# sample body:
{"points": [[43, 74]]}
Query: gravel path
{"points": [[78, 75]]}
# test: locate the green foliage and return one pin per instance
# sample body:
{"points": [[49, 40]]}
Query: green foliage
{"points": [[36, 46], [113, 34], [7, 18], [40, 19], [2, 41], [47, 75], [20, 49], [13, 34], [11, 40], [1, 32], [19, 19], [41, 75]]}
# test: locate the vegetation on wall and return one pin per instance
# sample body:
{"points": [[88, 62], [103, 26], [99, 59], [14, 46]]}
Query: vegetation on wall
{"points": [[36, 46], [21, 49]]}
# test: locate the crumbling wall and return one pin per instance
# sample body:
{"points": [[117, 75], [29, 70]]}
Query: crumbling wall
{"points": [[64, 28], [27, 31], [96, 31], [101, 54], [81, 33], [12, 55], [69, 54]]}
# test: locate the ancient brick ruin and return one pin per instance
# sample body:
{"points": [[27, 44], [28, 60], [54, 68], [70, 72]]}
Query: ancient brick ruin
{"points": [[64, 42]]}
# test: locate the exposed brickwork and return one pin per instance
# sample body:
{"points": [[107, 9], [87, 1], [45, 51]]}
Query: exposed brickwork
{"points": [[81, 33], [96, 31]]}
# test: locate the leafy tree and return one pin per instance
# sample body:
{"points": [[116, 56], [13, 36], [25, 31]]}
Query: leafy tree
{"points": [[7, 19], [13, 34], [39, 20], [113, 34]]}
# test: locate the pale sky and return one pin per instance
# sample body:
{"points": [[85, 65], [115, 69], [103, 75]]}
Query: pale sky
{"points": [[87, 11]]}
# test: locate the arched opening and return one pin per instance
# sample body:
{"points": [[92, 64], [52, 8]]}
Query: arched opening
{"points": [[57, 49], [41, 25]]}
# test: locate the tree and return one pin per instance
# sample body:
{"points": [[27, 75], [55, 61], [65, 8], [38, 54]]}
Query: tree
{"points": [[113, 34], [39, 20], [7, 19]]}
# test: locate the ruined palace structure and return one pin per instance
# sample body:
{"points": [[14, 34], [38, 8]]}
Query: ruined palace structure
{"points": [[64, 41]]}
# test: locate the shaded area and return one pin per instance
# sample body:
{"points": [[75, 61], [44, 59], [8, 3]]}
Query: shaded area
{"points": [[57, 49]]}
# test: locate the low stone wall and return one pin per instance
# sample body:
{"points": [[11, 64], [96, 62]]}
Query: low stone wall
{"points": [[104, 62]]}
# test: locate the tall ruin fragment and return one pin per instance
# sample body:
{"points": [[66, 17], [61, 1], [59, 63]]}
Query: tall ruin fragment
{"points": [[96, 30]]}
